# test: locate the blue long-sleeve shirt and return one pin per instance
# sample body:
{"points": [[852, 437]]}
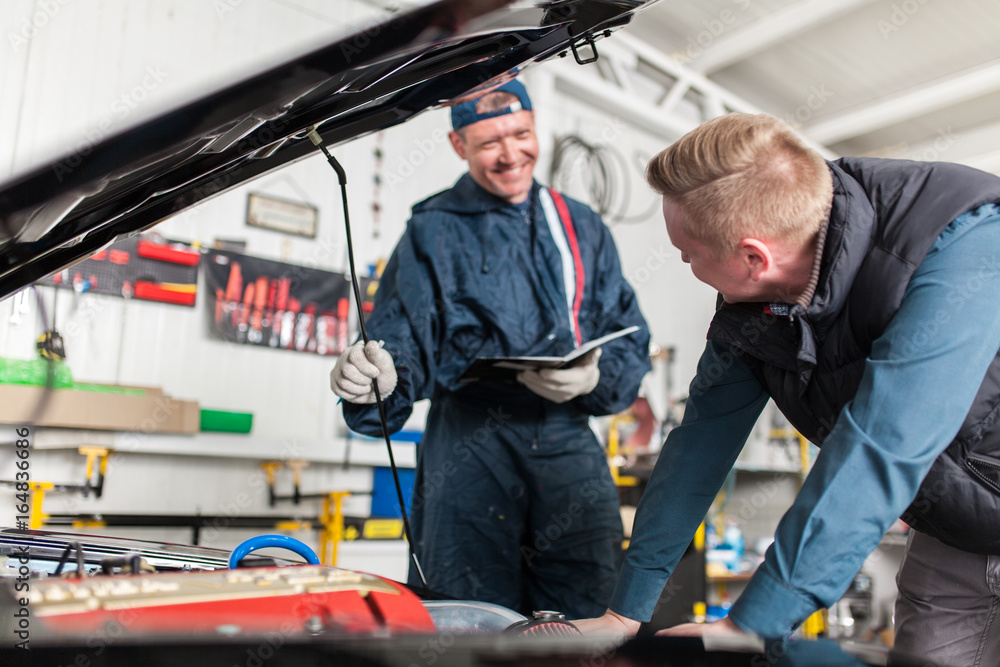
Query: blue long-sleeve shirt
{"points": [[918, 385]]}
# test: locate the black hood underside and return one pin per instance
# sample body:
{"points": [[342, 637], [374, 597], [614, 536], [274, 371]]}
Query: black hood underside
{"points": [[68, 209]]}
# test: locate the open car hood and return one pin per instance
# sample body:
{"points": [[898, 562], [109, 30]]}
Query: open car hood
{"points": [[66, 210]]}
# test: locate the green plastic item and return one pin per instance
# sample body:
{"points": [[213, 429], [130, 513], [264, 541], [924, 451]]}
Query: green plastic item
{"points": [[35, 372], [222, 421]]}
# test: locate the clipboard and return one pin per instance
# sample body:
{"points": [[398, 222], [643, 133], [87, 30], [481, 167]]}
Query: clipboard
{"points": [[506, 368]]}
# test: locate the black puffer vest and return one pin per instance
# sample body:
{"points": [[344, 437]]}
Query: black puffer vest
{"points": [[886, 215]]}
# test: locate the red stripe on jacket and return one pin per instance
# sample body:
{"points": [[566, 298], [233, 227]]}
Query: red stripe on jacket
{"points": [[574, 246]]}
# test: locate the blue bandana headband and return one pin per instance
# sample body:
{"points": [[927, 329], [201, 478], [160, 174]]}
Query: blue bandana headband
{"points": [[465, 113]]}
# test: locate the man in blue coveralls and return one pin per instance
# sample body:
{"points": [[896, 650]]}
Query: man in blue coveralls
{"points": [[861, 295], [513, 501]]}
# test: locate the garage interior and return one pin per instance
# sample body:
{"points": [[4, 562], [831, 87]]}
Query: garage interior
{"points": [[191, 427]]}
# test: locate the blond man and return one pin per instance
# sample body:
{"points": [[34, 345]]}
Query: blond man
{"points": [[860, 295]]}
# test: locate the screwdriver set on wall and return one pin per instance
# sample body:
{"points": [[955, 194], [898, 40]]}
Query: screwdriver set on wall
{"points": [[273, 304], [139, 267]]}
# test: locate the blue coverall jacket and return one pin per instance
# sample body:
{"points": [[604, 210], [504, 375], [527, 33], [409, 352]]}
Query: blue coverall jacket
{"points": [[513, 502]]}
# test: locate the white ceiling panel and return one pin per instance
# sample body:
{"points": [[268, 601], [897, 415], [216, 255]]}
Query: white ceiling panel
{"points": [[864, 77]]}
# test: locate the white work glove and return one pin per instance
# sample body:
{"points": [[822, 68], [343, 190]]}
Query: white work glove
{"points": [[358, 365], [562, 384]]}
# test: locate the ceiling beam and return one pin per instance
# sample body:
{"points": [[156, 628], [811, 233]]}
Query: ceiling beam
{"points": [[635, 50], [769, 31], [976, 147], [986, 161], [912, 103], [614, 101], [660, 114]]}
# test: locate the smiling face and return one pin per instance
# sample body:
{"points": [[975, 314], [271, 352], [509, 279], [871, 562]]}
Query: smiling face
{"points": [[501, 153]]}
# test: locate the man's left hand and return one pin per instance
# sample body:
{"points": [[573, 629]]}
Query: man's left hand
{"points": [[563, 384], [723, 627]]}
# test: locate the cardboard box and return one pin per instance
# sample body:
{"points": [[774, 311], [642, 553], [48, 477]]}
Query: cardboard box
{"points": [[68, 408]]}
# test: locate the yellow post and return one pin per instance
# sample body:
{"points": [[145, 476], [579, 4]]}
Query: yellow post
{"points": [[803, 453], [37, 517], [104, 462], [614, 447], [324, 533], [297, 465], [815, 625], [699, 537], [269, 468], [92, 453], [613, 438], [332, 532]]}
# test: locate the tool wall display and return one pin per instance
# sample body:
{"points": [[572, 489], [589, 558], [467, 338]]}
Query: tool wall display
{"points": [[139, 267], [273, 304]]}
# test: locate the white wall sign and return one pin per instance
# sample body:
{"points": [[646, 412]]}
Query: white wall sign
{"points": [[281, 215]]}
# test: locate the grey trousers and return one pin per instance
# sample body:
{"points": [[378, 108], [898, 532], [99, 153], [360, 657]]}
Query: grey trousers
{"points": [[946, 611]]}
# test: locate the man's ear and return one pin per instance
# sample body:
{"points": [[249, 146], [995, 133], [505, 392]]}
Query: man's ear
{"points": [[458, 144], [756, 256]]}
